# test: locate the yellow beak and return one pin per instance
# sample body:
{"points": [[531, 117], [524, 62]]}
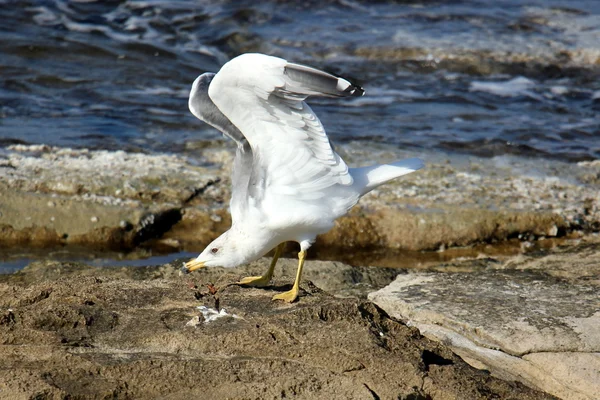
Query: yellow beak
{"points": [[192, 266]]}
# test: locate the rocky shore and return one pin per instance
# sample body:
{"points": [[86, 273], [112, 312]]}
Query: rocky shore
{"points": [[73, 331], [533, 319], [117, 200], [500, 272]]}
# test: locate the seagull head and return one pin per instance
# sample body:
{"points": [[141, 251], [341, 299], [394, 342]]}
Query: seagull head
{"points": [[221, 252]]}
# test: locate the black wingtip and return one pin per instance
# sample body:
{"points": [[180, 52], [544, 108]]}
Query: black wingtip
{"points": [[358, 91], [354, 91]]}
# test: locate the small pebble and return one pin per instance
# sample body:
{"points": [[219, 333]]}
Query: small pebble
{"points": [[194, 321], [51, 204], [52, 219], [216, 218], [94, 219], [526, 245]]}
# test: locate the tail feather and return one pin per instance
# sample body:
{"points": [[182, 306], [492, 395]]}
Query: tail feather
{"points": [[368, 178]]}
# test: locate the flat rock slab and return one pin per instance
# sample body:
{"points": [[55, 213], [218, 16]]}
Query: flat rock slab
{"points": [[84, 332], [575, 263], [498, 318]]}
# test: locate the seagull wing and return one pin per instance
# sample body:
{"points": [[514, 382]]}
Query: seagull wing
{"points": [[263, 97], [205, 110]]}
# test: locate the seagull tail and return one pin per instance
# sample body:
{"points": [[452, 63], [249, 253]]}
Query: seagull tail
{"points": [[368, 178]]}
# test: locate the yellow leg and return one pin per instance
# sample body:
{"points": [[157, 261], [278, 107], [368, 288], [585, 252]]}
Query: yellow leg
{"points": [[292, 295], [261, 281]]}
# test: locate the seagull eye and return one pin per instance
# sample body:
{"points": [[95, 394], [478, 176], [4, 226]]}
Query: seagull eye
{"points": [[214, 250]]}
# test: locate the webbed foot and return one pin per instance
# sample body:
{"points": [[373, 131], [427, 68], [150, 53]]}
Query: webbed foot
{"points": [[255, 281], [290, 296]]}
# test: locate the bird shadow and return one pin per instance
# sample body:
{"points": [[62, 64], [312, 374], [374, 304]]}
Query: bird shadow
{"points": [[308, 288], [270, 288]]}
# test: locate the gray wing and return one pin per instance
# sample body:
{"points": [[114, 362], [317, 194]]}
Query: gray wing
{"points": [[283, 149], [205, 110], [263, 96]]}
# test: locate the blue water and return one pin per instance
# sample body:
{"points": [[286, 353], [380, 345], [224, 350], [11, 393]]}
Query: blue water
{"points": [[438, 74], [15, 261]]}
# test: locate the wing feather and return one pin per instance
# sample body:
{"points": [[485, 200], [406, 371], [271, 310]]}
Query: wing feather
{"points": [[263, 97]]}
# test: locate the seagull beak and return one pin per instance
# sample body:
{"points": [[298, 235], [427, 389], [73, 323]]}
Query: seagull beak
{"points": [[192, 266]]}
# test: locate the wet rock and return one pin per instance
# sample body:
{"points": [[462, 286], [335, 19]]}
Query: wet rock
{"points": [[452, 202], [32, 236], [577, 263], [154, 225], [514, 318], [419, 229], [101, 176], [113, 332], [82, 197]]}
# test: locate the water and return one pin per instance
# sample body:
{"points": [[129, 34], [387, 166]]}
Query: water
{"points": [[12, 260], [471, 76]]}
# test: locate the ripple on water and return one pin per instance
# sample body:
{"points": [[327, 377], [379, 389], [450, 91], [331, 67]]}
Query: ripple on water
{"points": [[446, 75]]}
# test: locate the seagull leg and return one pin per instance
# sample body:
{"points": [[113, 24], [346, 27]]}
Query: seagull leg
{"points": [[292, 295], [261, 281]]}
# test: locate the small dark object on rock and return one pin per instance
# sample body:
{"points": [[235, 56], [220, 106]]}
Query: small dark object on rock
{"points": [[212, 289]]}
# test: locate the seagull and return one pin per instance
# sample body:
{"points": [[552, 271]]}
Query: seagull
{"points": [[288, 182]]}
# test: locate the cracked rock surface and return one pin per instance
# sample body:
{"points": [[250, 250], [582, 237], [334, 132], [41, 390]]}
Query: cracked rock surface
{"points": [[533, 318], [73, 331]]}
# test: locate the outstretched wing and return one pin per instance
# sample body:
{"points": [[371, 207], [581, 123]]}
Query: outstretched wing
{"points": [[263, 97], [205, 110]]}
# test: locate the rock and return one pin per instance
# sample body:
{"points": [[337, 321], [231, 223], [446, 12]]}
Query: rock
{"points": [[566, 378], [124, 333], [574, 263], [577, 371], [513, 318], [336, 278], [81, 197], [452, 202], [419, 229]]}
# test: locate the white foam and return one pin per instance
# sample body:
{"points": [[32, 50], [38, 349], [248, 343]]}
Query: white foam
{"points": [[559, 90], [580, 124], [161, 111], [44, 16], [378, 95], [519, 86], [159, 91], [86, 28]]}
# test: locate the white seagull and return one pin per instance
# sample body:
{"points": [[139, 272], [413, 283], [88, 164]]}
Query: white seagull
{"points": [[288, 182]]}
